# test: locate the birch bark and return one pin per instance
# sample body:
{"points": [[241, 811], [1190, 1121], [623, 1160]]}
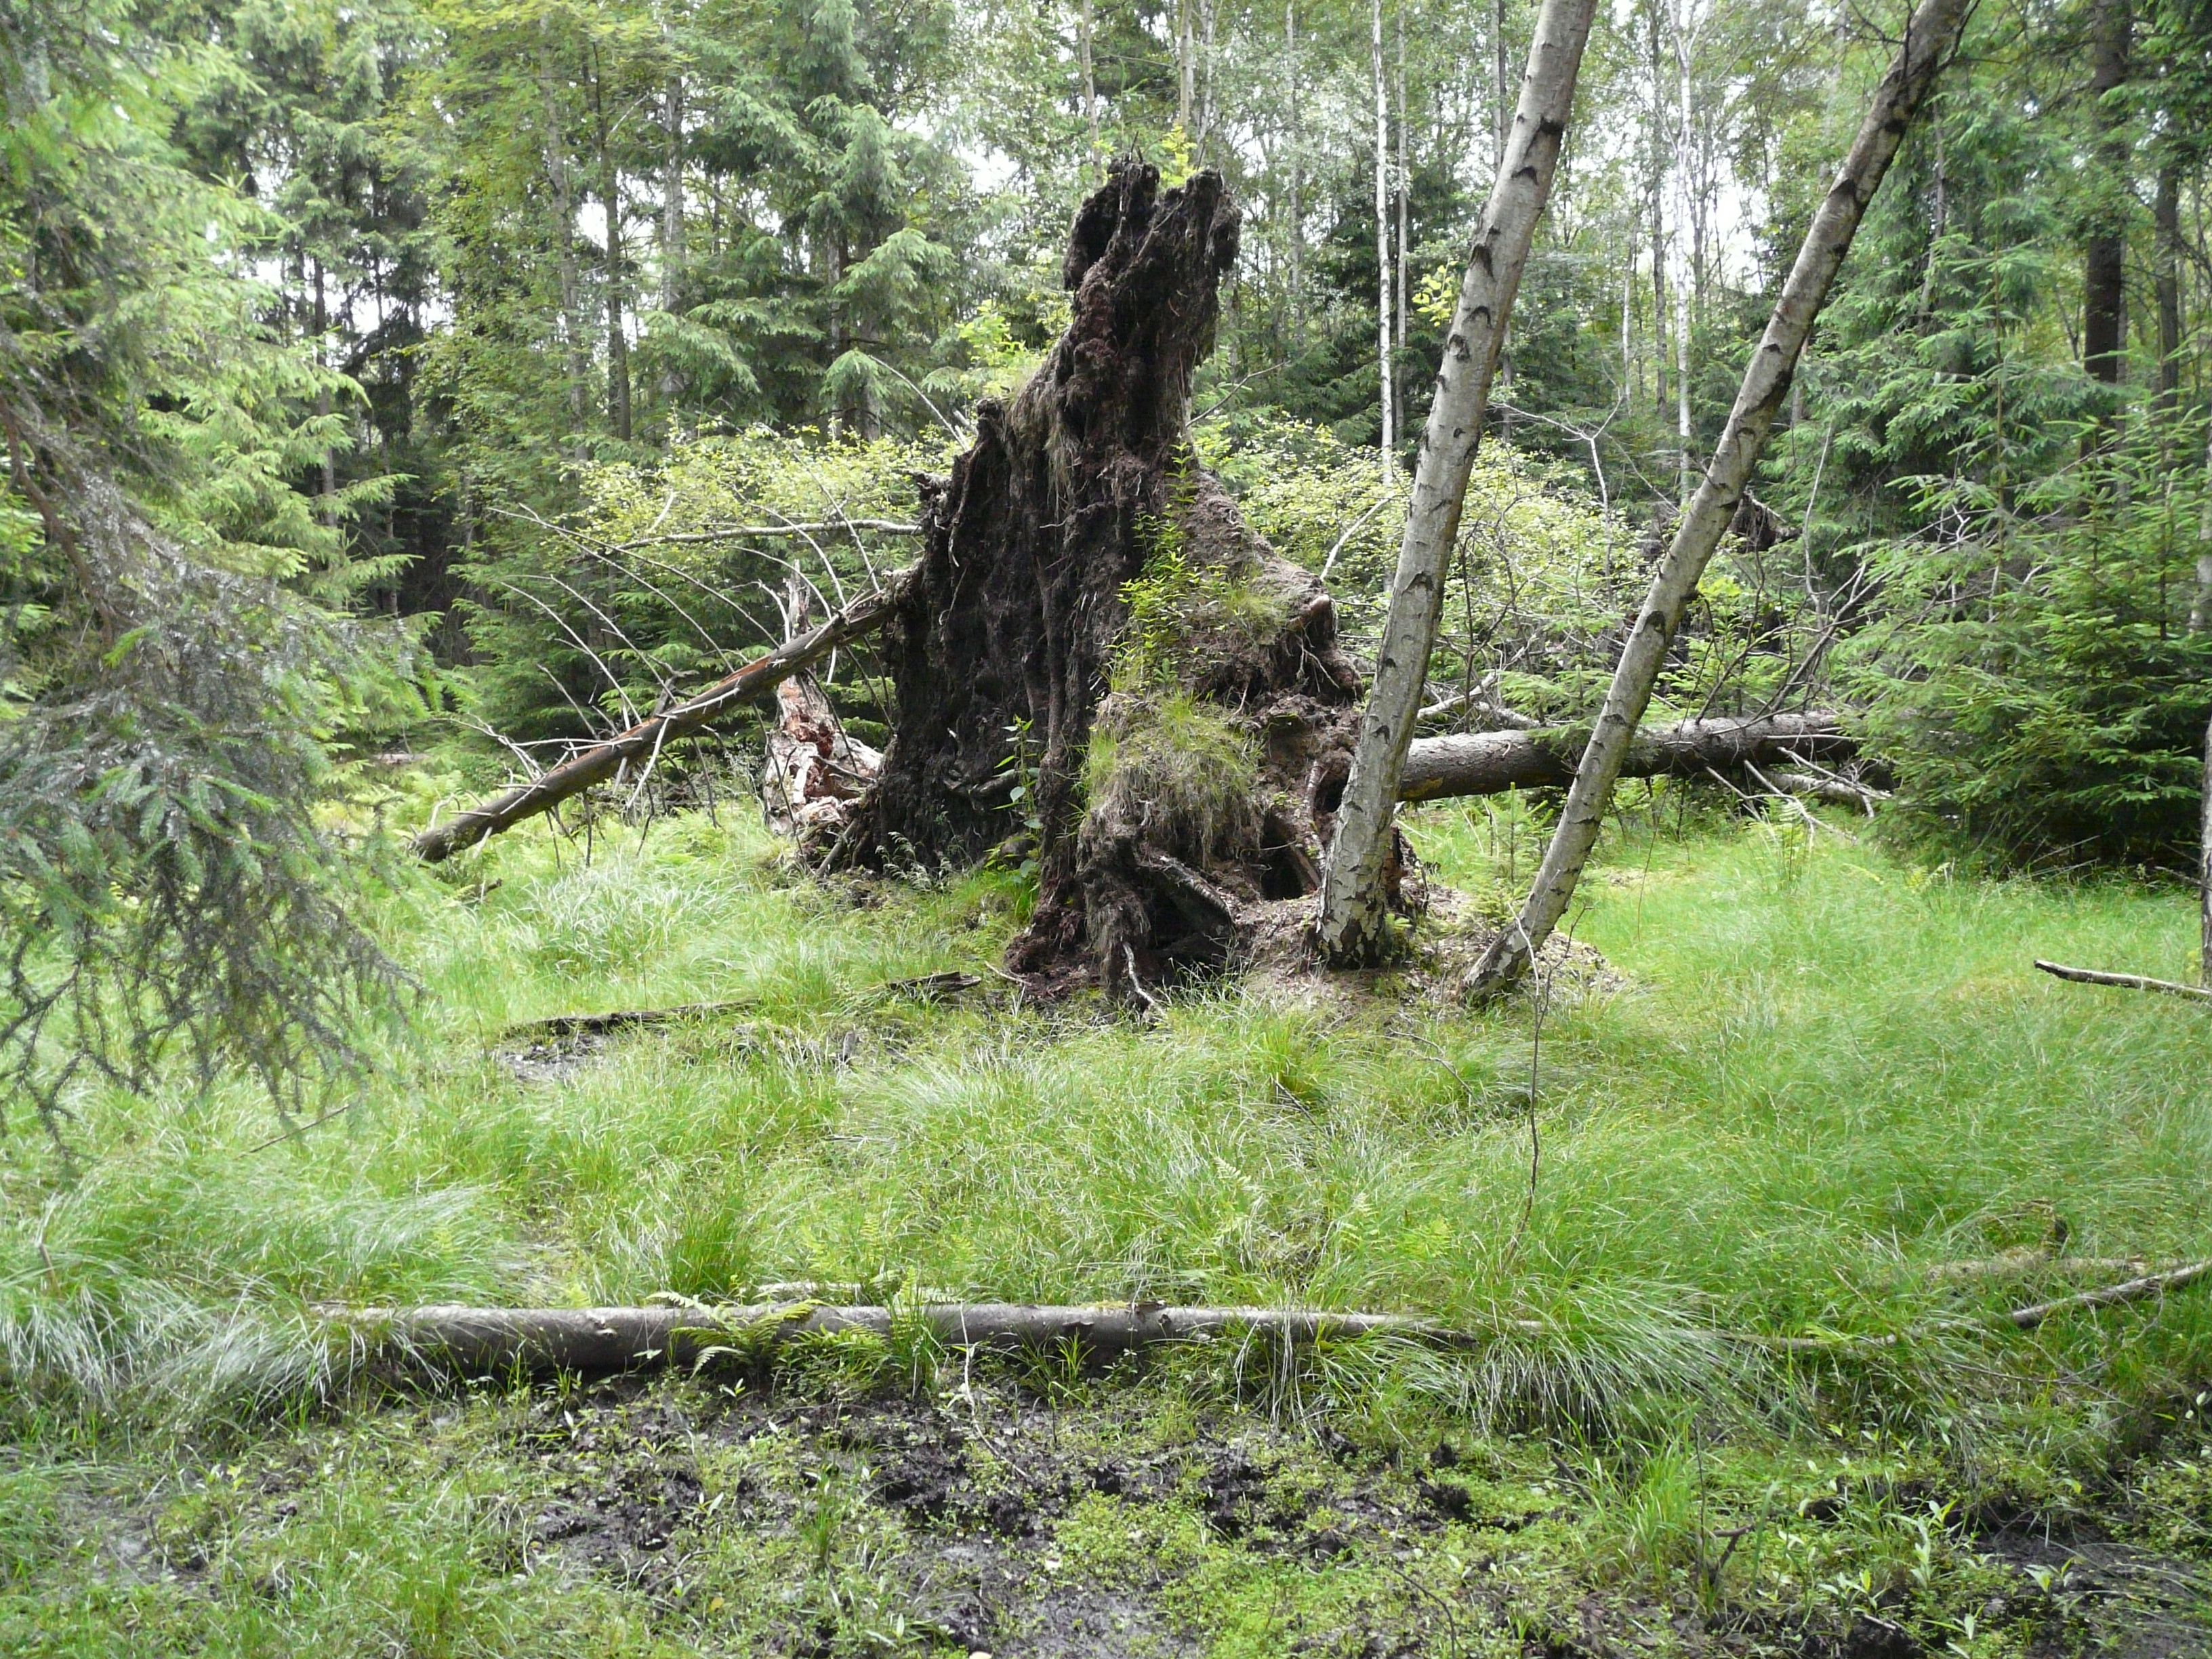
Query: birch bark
{"points": [[1930, 38], [1354, 926], [1382, 250]]}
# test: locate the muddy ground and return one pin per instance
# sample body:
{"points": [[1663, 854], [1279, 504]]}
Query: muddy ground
{"points": [[1040, 1517]]}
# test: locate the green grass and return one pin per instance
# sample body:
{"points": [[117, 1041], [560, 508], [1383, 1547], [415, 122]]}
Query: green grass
{"points": [[1810, 1073], [1815, 1073]]}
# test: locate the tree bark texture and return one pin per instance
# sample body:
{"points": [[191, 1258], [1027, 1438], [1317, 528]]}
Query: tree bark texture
{"points": [[1491, 763], [1389, 442], [610, 200], [1153, 849], [2104, 253], [1930, 38], [1353, 927]]}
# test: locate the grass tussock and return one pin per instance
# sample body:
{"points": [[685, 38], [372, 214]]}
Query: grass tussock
{"points": [[1827, 1074]]}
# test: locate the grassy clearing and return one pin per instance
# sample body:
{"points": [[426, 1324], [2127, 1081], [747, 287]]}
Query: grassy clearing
{"points": [[1821, 1074], [1814, 1074]]}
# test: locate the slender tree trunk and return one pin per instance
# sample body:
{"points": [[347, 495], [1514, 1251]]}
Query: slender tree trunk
{"points": [[1681, 285], [1353, 925], [1654, 185], [1382, 251], [2200, 619], [1209, 13], [1405, 186], [1501, 113], [671, 194], [610, 198], [672, 226], [1628, 320], [564, 217], [2103, 275], [1928, 40], [2165, 217], [330, 502], [1298, 180], [1186, 67], [1937, 219], [1084, 28]]}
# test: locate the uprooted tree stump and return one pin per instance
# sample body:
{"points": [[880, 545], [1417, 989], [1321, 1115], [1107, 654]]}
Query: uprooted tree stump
{"points": [[1095, 646]]}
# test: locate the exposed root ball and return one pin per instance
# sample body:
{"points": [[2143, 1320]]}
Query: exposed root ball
{"points": [[1093, 618]]}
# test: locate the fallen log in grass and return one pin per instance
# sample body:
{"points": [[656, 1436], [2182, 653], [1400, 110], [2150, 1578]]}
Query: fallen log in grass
{"points": [[596, 1340], [1491, 763], [477, 1341], [2126, 981]]}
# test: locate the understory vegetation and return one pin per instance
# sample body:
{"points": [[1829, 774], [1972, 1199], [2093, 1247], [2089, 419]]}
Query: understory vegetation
{"points": [[435, 432], [1783, 1086]]}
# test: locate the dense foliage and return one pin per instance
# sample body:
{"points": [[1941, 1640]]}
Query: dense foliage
{"points": [[507, 319], [174, 656]]}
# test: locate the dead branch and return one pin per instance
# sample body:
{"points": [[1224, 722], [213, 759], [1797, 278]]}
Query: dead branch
{"points": [[925, 987], [746, 531], [1829, 789], [477, 1340], [2110, 1296], [2126, 981], [603, 761], [2139, 1289], [2018, 1264]]}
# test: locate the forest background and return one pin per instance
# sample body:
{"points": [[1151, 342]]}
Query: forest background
{"points": [[369, 362]]}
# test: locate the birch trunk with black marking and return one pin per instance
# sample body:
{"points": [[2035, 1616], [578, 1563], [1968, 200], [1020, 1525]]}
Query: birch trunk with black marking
{"points": [[1930, 38], [1354, 915]]}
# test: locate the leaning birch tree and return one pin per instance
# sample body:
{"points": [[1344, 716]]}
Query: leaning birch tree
{"points": [[1930, 38], [1353, 927]]}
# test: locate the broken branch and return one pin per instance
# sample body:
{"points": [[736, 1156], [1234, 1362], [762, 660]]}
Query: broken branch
{"points": [[602, 760], [2126, 981], [603, 1339]]}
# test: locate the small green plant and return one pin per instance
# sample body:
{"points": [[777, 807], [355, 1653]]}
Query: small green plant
{"points": [[1183, 767], [1181, 614]]}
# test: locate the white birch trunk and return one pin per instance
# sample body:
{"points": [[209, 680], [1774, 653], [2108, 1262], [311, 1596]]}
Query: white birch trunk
{"points": [[1382, 250], [1089, 78], [1405, 187], [1186, 68], [1928, 40], [1354, 926], [1682, 274], [1297, 179]]}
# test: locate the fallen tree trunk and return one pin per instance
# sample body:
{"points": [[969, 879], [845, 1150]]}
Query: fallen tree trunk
{"points": [[648, 738], [475, 1340], [2124, 982], [1490, 762]]}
